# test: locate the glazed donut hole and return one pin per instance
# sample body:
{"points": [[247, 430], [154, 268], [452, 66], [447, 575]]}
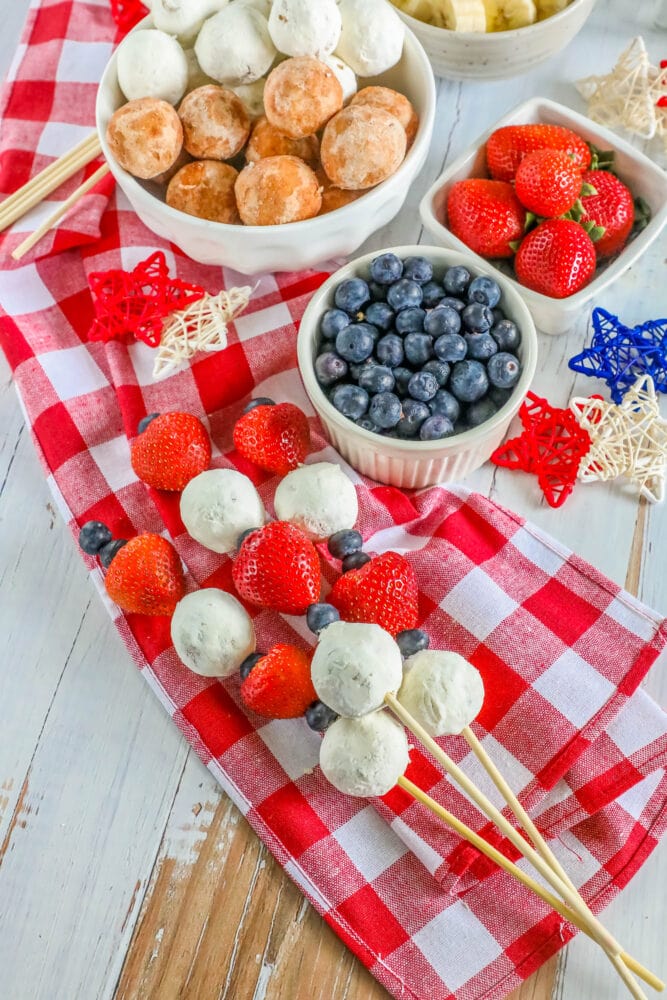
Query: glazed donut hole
{"points": [[215, 123], [265, 140], [301, 95], [145, 137], [396, 104], [277, 190], [362, 146], [205, 189]]}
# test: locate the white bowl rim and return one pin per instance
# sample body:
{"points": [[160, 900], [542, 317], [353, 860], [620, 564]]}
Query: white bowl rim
{"points": [[627, 256], [424, 132], [456, 442], [496, 37]]}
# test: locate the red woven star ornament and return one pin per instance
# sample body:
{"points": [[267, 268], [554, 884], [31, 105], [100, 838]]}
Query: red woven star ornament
{"points": [[127, 13], [551, 447], [137, 302]]}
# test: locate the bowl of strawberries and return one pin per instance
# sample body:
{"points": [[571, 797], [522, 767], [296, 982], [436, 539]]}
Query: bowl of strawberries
{"points": [[558, 204]]}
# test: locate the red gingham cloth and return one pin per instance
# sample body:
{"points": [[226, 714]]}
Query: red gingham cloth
{"points": [[562, 649]]}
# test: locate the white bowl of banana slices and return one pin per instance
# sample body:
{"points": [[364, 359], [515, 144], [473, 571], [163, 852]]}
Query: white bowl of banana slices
{"points": [[492, 39]]}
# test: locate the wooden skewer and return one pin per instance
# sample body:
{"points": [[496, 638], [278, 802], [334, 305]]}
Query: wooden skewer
{"points": [[23, 248], [541, 845], [598, 930], [508, 866], [41, 186]]}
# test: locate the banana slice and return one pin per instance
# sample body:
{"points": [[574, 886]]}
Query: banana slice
{"points": [[546, 8], [464, 15], [516, 14], [492, 9]]}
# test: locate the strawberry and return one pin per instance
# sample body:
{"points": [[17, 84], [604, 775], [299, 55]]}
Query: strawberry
{"points": [[556, 259], [485, 215], [548, 182], [274, 437], [172, 450], [611, 208], [384, 592], [279, 685], [146, 577], [507, 146], [278, 567]]}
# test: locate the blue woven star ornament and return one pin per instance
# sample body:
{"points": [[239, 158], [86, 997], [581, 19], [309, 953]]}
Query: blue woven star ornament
{"points": [[619, 354]]}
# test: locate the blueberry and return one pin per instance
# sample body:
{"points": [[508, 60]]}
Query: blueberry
{"points": [[411, 641], [418, 348], [352, 295], [403, 294], [248, 664], [469, 381], [377, 378], [477, 318], [357, 370], [355, 561], [442, 320], [446, 405], [456, 280], [498, 316], [333, 321], [356, 342], [386, 269], [484, 290], [350, 400], [457, 304], [143, 424], [481, 411], [318, 616], [410, 320], [504, 370], [378, 292], [93, 536], [380, 315], [344, 543], [242, 537], [440, 369], [432, 293], [108, 551], [423, 386], [367, 424], [499, 396], [260, 401], [480, 346], [402, 376], [319, 716], [436, 427], [330, 368], [418, 269], [389, 350], [385, 410], [450, 347], [506, 335], [414, 415]]}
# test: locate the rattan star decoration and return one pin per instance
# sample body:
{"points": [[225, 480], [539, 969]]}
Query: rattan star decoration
{"points": [[629, 440], [629, 95], [200, 327]]}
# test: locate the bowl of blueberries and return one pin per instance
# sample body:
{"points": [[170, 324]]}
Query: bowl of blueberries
{"points": [[416, 359]]}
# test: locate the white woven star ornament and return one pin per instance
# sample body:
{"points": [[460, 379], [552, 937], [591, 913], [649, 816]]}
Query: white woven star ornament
{"points": [[200, 327], [628, 95], [627, 440]]}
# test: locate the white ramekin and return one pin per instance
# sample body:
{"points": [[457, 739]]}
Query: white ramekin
{"points": [[253, 249], [497, 55], [414, 464], [642, 176]]}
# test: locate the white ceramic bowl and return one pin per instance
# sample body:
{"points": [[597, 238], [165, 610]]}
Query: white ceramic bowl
{"points": [[497, 55], [253, 249], [641, 175], [413, 464]]}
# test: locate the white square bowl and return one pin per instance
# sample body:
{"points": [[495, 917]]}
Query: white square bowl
{"points": [[644, 178]]}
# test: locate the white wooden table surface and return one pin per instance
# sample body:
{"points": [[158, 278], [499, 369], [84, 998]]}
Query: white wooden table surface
{"points": [[116, 846]]}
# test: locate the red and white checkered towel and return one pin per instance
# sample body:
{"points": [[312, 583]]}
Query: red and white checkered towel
{"points": [[561, 648]]}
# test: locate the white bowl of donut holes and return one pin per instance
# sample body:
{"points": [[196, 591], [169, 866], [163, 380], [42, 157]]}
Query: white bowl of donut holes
{"points": [[239, 134]]}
